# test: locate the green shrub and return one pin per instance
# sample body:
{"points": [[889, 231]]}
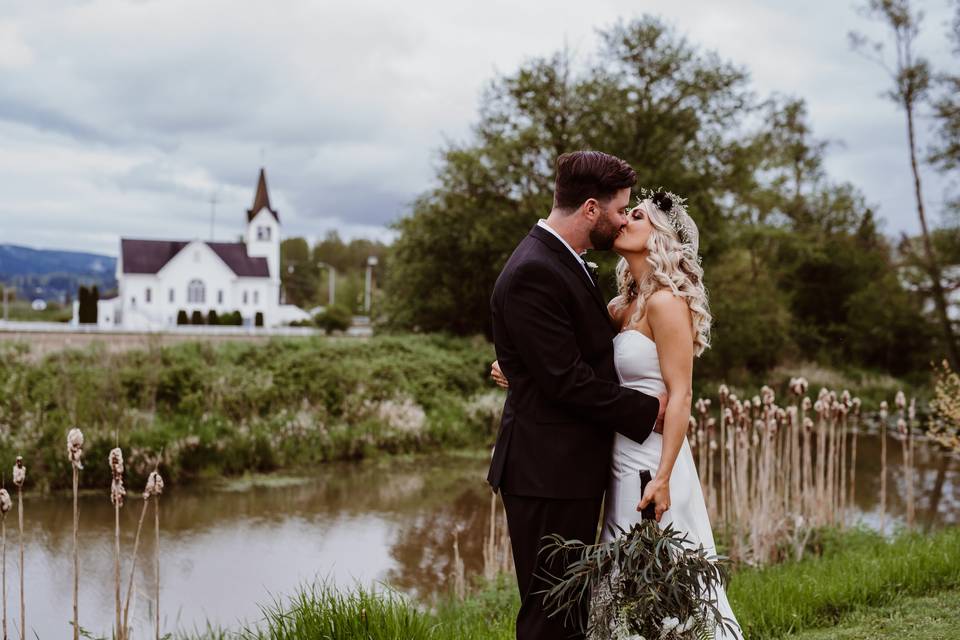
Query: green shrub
{"points": [[335, 318], [182, 317]]}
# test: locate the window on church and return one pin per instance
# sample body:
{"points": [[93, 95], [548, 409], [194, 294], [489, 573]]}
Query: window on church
{"points": [[146, 295], [263, 233], [244, 297], [196, 292], [171, 295], [256, 297], [220, 296]]}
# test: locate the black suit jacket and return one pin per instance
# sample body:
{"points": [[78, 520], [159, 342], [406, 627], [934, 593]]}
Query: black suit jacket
{"points": [[554, 342]]}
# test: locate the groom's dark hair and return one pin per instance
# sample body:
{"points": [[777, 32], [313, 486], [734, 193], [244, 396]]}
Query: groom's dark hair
{"points": [[582, 175]]}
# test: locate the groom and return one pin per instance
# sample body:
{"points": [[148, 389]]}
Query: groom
{"points": [[554, 343]]}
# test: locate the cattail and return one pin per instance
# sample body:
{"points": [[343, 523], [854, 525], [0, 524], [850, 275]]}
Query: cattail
{"points": [[5, 505], [19, 477], [883, 463], [116, 497], [75, 453], [153, 489]]}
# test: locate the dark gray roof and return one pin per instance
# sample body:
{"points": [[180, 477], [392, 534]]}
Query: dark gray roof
{"points": [[149, 256], [261, 200]]}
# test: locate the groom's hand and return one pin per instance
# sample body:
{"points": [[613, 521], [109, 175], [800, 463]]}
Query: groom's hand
{"points": [[658, 428]]}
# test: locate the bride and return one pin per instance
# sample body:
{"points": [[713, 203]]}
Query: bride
{"points": [[663, 321]]}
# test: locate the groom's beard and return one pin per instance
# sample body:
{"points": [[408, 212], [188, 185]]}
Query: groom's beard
{"points": [[604, 233]]}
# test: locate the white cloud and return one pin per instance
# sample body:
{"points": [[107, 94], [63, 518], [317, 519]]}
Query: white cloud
{"points": [[121, 117]]}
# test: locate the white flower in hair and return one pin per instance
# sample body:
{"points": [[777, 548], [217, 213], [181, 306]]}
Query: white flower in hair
{"points": [[675, 209]]}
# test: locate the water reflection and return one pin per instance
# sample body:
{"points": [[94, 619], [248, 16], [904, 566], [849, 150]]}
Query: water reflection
{"points": [[226, 551]]}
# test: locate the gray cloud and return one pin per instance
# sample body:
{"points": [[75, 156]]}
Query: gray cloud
{"points": [[126, 117]]}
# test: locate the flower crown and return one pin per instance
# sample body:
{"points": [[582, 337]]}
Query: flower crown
{"points": [[675, 208]]}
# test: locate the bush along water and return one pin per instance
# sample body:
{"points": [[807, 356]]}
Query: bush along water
{"points": [[240, 407]]}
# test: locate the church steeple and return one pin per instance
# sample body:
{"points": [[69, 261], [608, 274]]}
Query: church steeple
{"points": [[262, 199]]}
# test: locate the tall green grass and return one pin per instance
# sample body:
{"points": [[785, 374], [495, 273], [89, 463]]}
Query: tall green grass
{"points": [[856, 572]]}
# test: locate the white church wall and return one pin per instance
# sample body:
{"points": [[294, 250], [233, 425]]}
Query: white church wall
{"points": [[195, 263]]}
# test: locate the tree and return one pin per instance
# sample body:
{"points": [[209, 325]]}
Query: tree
{"points": [[649, 97], [182, 317], [212, 317], [196, 317], [911, 79]]}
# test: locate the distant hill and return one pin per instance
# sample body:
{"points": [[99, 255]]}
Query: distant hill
{"points": [[52, 274]]}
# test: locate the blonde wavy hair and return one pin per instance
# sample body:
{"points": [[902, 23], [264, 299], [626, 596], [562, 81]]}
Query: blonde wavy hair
{"points": [[675, 266]]}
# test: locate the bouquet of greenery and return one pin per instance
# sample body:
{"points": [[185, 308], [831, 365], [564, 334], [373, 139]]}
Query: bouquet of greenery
{"points": [[646, 583]]}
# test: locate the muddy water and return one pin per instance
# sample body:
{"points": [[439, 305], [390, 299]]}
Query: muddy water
{"points": [[226, 549]]}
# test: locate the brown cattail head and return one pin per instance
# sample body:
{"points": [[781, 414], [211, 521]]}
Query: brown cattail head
{"points": [[723, 392], [902, 426], [116, 469], [912, 409], [798, 386], [154, 485], [702, 406], [855, 403], [807, 425], [883, 410], [767, 394], [900, 400], [845, 397], [19, 472], [806, 404], [5, 502], [75, 447]]}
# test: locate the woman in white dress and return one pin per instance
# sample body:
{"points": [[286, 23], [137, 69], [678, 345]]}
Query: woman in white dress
{"points": [[663, 321]]}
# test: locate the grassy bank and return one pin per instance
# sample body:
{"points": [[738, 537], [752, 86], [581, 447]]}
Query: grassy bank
{"points": [[241, 407], [858, 582]]}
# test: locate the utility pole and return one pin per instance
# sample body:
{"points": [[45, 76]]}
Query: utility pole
{"points": [[371, 263]]}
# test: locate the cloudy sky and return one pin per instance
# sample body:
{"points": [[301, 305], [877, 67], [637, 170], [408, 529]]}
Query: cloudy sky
{"points": [[125, 117]]}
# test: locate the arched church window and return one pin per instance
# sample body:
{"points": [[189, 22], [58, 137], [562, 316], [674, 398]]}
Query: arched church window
{"points": [[196, 292]]}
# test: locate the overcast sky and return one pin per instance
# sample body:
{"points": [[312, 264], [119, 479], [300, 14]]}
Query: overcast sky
{"points": [[122, 117]]}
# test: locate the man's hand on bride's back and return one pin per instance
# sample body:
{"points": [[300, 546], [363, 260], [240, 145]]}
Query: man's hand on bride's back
{"points": [[663, 397], [498, 376]]}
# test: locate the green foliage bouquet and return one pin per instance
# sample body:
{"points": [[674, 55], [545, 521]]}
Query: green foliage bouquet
{"points": [[646, 583]]}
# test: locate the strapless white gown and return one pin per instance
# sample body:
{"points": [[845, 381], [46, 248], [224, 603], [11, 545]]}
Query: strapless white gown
{"points": [[638, 366]]}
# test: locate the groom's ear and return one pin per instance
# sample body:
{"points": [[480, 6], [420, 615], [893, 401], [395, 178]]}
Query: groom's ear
{"points": [[590, 209]]}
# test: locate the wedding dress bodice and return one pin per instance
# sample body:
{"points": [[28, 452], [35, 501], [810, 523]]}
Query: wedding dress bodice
{"points": [[638, 364]]}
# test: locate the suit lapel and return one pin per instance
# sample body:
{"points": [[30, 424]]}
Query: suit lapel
{"points": [[571, 262]]}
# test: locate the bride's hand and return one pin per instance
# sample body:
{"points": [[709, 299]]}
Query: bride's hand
{"points": [[498, 376], [658, 492]]}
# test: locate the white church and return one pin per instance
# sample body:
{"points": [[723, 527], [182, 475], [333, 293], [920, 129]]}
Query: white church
{"points": [[157, 279]]}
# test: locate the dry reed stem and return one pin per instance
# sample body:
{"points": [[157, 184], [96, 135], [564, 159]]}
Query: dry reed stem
{"points": [[19, 476]]}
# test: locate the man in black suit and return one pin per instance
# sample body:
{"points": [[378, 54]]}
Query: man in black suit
{"points": [[554, 343]]}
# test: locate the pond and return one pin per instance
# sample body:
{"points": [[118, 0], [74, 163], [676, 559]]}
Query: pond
{"points": [[229, 548]]}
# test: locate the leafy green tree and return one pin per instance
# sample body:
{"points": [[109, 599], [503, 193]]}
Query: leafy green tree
{"points": [[650, 98]]}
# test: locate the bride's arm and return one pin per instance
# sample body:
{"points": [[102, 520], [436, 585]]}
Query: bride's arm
{"points": [[670, 319]]}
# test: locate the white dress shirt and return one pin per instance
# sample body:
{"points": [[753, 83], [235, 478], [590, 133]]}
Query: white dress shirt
{"points": [[543, 224]]}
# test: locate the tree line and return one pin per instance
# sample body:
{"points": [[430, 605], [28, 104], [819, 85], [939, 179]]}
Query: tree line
{"points": [[797, 265]]}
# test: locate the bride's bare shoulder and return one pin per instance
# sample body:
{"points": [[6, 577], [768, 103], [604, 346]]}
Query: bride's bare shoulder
{"points": [[666, 304]]}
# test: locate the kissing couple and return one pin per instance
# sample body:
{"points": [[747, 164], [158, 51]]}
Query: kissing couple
{"points": [[597, 391]]}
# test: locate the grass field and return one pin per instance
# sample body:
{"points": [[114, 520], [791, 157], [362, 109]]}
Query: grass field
{"points": [[861, 587]]}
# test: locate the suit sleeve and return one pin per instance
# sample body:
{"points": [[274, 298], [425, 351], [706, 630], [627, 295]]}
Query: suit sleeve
{"points": [[541, 329]]}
